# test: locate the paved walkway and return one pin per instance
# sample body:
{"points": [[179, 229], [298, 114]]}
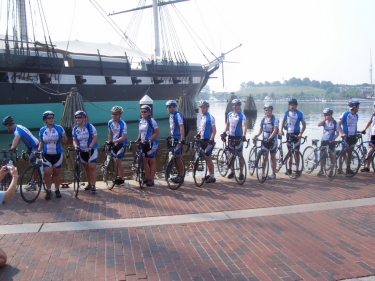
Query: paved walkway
{"points": [[305, 229]]}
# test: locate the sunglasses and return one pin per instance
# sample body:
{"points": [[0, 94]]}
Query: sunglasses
{"points": [[267, 110], [79, 117], [143, 111], [115, 114], [169, 106], [327, 114], [50, 118]]}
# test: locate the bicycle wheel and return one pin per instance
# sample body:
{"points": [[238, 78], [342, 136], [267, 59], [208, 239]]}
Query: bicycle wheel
{"points": [[252, 161], [5, 182], [77, 177], [174, 180], [141, 171], [222, 162], [135, 168], [110, 173], [373, 161], [294, 164], [330, 167], [279, 159], [30, 184], [262, 166], [200, 170], [309, 159], [239, 165], [350, 169]]}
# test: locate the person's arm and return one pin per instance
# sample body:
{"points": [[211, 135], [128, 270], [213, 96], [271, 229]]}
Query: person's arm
{"points": [[93, 141], [367, 125], [244, 128], [260, 131], [16, 141], [213, 127], [282, 127], [226, 127], [340, 128], [321, 123], [182, 132], [13, 185], [110, 135], [123, 137], [40, 146], [303, 129], [64, 138], [155, 134], [274, 133]]}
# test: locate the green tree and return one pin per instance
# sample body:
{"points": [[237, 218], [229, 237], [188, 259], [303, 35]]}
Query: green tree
{"points": [[306, 81]]}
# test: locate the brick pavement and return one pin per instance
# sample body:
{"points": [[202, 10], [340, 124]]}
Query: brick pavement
{"points": [[318, 245]]}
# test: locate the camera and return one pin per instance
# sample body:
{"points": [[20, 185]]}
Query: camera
{"points": [[9, 167]]}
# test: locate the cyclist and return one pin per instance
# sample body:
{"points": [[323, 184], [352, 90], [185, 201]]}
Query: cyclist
{"points": [[371, 144], [177, 131], [330, 133], [207, 132], [236, 125], [85, 137], [292, 120], [21, 134], [348, 127], [117, 136], [269, 126], [51, 137], [148, 133]]}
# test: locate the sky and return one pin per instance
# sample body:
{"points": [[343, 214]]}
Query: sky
{"points": [[320, 39]]}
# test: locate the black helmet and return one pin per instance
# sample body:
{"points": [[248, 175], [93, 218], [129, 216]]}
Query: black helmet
{"points": [[353, 103], [204, 103], [8, 120], [328, 111], [46, 113], [293, 100]]}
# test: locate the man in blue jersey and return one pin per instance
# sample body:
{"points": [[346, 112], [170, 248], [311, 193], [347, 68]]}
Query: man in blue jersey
{"points": [[348, 127], [21, 134], [177, 131], [207, 132], [371, 144], [117, 136], [292, 120], [236, 126]]}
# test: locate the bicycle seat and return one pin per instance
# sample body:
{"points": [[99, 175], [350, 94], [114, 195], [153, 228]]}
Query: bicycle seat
{"points": [[315, 142], [65, 185]]}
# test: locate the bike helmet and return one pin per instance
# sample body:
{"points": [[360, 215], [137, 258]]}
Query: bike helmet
{"points": [[46, 114], [268, 106], [171, 103], [80, 112], [236, 102], [327, 111], [353, 103], [8, 120], [146, 107], [204, 103], [117, 109], [293, 100]]}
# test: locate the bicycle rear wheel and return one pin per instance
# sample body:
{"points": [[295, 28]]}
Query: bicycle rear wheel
{"points": [[240, 169], [141, 172], [350, 168], [309, 159], [330, 167], [294, 164], [77, 177], [174, 180], [200, 170], [262, 166], [135, 167], [30, 184], [222, 162], [252, 161], [110, 173]]}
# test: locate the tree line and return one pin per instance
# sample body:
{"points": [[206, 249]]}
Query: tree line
{"points": [[291, 82]]}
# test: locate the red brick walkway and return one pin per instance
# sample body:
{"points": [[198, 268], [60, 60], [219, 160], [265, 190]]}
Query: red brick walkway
{"points": [[321, 245]]}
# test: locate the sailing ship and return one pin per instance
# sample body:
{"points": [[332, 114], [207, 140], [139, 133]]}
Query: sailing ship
{"points": [[36, 76]]}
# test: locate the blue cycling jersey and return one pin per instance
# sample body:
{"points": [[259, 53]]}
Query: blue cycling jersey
{"points": [[207, 121], [329, 130], [118, 129], [175, 117], [349, 123], [292, 121], [84, 136], [235, 123], [268, 124], [51, 138], [147, 128], [26, 136]]}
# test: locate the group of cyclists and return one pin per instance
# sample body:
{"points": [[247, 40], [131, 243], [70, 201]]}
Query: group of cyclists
{"points": [[52, 136]]}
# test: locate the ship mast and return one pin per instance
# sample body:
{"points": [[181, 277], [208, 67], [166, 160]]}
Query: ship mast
{"points": [[156, 28], [372, 86]]}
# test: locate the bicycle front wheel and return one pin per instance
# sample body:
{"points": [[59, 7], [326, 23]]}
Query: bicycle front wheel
{"points": [[141, 171], [330, 167], [222, 162], [309, 159], [172, 176], [200, 170], [31, 184], [240, 169], [77, 177], [135, 168], [262, 166], [294, 164], [350, 168], [110, 173], [252, 161]]}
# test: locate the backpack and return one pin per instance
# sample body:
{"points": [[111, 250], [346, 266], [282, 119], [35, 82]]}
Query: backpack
{"points": [[186, 123], [272, 122]]}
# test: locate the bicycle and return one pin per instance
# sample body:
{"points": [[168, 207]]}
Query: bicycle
{"points": [[173, 164], [77, 172], [109, 166], [342, 156], [362, 151], [253, 157], [8, 159], [229, 158], [199, 162], [137, 166], [293, 170], [311, 159], [261, 163], [31, 181]]}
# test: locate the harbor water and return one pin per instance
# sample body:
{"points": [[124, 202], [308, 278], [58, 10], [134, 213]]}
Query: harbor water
{"points": [[313, 112]]}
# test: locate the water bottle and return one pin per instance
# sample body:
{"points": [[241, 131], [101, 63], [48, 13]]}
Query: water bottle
{"points": [[364, 150], [170, 155], [316, 156], [10, 165]]}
